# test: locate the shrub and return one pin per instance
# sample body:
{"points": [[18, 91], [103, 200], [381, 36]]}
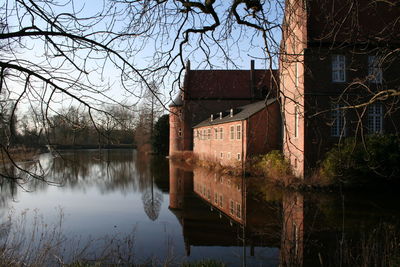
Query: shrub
{"points": [[274, 166], [356, 162]]}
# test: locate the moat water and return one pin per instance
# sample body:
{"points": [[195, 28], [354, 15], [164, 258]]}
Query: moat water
{"points": [[132, 208]]}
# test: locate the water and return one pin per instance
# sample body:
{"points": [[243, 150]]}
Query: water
{"points": [[161, 212]]}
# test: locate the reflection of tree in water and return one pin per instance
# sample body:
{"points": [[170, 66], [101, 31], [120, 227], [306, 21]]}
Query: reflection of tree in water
{"points": [[151, 195], [152, 199], [8, 191], [23, 180], [125, 171], [108, 170]]}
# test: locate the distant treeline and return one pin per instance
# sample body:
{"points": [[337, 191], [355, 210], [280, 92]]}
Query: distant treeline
{"points": [[75, 128]]}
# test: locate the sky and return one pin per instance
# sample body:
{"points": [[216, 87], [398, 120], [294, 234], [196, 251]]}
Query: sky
{"points": [[103, 82]]}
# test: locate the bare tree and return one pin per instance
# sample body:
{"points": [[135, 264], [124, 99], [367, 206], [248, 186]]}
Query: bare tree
{"points": [[52, 52]]}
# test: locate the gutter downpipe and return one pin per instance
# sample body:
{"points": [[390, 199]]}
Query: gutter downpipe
{"points": [[244, 192]]}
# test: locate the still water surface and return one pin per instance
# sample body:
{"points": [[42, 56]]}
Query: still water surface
{"points": [[173, 213]]}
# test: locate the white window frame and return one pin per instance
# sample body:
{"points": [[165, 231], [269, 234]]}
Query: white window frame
{"points": [[209, 133], [338, 116], [338, 68], [375, 118], [232, 132], [239, 156], [238, 131], [216, 133], [374, 69], [221, 133]]}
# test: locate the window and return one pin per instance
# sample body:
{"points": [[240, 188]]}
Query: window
{"points": [[221, 200], [296, 238], [296, 121], [296, 81], [375, 118], [208, 133], [228, 155], [338, 121], [374, 69], [221, 155], [232, 129], [221, 133], [338, 68], [231, 207], [238, 210], [215, 133], [208, 194], [239, 157], [216, 198], [180, 132], [239, 132]]}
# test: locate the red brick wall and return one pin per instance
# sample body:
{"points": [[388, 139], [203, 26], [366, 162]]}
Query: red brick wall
{"points": [[264, 130], [224, 150], [292, 83], [260, 134], [199, 110], [175, 130]]}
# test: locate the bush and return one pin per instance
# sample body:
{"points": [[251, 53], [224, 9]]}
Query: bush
{"points": [[274, 166], [356, 162]]}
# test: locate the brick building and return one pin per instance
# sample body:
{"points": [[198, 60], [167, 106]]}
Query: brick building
{"points": [[338, 62], [338, 76], [239, 133], [208, 92]]}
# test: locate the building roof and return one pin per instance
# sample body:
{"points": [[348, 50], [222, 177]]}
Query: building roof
{"points": [[228, 84], [177, 102], [239, 113]]}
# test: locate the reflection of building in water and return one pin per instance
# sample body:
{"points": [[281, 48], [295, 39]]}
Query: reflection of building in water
{"points": [[292, 241], [223, 192], [221, 218], [180, 186], [308, 229]]}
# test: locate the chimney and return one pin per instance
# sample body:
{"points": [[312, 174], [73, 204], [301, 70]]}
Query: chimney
{"points": [[220, 115], [185, 93], [231, 112], [212, 117], [187, 68], [252, 80]]}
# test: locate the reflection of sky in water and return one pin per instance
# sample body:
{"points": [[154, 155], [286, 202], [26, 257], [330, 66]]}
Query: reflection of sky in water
{"points": [[100, 198], [123, 194], [119, 195]]}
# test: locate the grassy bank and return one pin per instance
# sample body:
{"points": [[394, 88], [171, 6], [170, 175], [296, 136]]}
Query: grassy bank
{"points": [[18, 154], [188, 158]]}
